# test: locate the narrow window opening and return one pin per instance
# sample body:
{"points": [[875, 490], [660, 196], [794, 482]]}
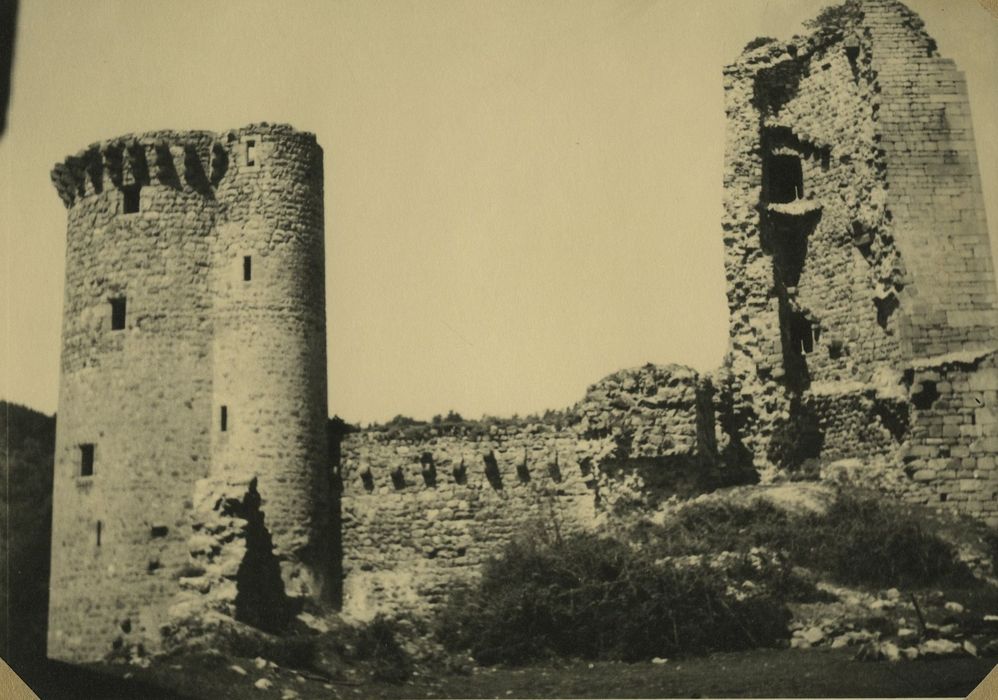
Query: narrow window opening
{"points": [[158, 531], [784, 178], [398, 479], [429, 469], [492, 472], [943, 497], [826, 159], [852, 47], [554, 470], [131, 198], [523, 471], [460, 473], [886, 306], [251, 152], [223, 419], [367, 478], [118, 314], [247, 268], [100, 527], [86, 460]]}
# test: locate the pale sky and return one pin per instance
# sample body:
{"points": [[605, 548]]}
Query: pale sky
{"points": [[521, 197]]}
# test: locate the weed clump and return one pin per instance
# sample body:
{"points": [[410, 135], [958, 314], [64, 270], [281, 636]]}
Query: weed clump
{"points": [[869, 542], [376, 645]]}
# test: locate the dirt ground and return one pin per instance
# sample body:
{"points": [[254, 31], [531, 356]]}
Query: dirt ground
{"points": [[760, 673]]}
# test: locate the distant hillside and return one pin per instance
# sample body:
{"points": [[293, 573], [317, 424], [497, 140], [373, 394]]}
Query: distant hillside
{"points": [[27, 448]]}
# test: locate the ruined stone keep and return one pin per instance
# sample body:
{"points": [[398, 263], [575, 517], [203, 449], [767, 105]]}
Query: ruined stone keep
{"points": [[193, 382], [860, 277], [193, 472]]}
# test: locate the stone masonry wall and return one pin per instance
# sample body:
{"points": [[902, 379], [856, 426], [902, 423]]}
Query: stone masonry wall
{"points": [[808, 244], [424, 506], [951, 459], [158, 226], [934, 194], [269, 342], [420, 516], [140, 395]]}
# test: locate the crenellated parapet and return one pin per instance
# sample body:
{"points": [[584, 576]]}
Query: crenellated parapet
{"points": [[196, 160], [540, 456]]}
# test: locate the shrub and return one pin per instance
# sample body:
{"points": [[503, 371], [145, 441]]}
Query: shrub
{"points": [[869, 541], [376, 644], [715, 576], [719, 526], [835, 17], [991, 547], [596, 597], [757, 42]]}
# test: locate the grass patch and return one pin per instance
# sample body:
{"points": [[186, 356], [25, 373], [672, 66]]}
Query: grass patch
{"points": [[859, 540]]}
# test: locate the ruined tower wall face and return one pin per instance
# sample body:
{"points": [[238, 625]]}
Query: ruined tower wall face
{"points": [[140, 395], [804, 253], [869, 129], [935, 188], [269, 345], [162, 221]]}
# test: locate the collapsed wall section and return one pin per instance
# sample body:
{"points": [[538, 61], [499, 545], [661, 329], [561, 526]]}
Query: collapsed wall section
{"points": [[809, 252]]}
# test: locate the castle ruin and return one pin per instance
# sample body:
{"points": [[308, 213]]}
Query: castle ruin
{"points": [[193, 471]]}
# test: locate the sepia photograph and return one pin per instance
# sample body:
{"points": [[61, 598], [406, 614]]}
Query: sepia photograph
{"points": [[510, 349]]}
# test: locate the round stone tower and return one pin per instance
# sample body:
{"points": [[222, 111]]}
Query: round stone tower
{"points": [[193, 366], [269, 339]]}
